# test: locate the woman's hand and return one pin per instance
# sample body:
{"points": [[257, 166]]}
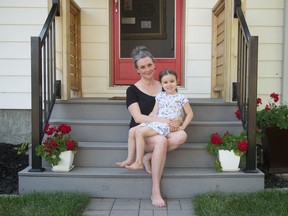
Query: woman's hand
{"points": [[174, 124]]}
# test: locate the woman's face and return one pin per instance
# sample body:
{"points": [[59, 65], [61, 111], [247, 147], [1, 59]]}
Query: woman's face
{"points": [[146, 67]]}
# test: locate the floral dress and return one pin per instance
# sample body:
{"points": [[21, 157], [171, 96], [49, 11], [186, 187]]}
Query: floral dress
{"points": [[170, 106]]}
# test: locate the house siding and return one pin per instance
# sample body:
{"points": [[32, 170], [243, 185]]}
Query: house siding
{"points": [[266, 19], [21, 19], [17, 25]]}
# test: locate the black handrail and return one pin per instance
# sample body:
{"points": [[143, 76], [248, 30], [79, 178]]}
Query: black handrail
{"points": [[247, 66], [43, 81]]}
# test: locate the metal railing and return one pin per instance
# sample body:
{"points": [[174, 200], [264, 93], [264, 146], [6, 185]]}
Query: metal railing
{"points": [[246, 87], [44, 86]]}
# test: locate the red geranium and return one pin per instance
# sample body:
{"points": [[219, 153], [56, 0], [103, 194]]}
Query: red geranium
{"points": [[243, 146], [57, 140]]}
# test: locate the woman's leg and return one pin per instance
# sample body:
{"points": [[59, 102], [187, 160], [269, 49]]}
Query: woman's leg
{"points": [[157, 144], [140, 135], [175, 139]]}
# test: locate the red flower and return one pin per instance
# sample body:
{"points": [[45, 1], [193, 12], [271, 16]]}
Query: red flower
{"points": [[226, 133], [259, 101], [64, 128], [216, 139], [238, 114], [242, 146], [70, 144], [267, 107], [275, 97]]}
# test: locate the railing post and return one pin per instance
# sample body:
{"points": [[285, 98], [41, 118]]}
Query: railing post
{"points": [[36, 117], [251, 163]]}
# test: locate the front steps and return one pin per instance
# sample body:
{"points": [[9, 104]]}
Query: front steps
{"points": [[101, 127]]}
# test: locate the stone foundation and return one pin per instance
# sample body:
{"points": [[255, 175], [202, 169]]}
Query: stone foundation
{"points": [[15, 127]]}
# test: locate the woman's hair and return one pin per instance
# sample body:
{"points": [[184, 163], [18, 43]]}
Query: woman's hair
{"points": [[166, 72], [140, 52]]}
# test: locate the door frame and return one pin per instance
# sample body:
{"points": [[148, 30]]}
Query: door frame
{"points": [[126, 63]]}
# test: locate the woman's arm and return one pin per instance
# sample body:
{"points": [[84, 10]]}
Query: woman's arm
{"points": [[134, 110], [189, 116]]}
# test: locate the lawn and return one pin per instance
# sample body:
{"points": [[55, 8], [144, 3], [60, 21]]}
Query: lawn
{"points": [[44, 204], [265, 203]]}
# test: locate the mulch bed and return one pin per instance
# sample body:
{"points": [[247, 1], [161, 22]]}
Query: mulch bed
{"points": [[11, 163]]}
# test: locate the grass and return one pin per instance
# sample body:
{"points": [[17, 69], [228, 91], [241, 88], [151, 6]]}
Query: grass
{"points": [[44, 204], [264, 203]]}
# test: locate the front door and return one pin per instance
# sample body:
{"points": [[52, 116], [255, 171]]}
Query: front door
{"points": [[156, 24]]}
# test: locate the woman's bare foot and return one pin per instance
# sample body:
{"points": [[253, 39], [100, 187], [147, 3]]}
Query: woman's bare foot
{"points": [[158, 201], [147, 162], [125, 163], [135, 166]]}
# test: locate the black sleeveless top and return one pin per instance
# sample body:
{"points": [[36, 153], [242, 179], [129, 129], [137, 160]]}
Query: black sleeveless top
{"points": [[146, 102]]}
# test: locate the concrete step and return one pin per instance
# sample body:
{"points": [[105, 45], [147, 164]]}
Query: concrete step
{"points": [[105, 109], [122, 183], [117, 130], [106, 154]]}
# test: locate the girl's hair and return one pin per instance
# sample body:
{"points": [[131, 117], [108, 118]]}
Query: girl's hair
{"points": [[140, 52], [166, 72]]}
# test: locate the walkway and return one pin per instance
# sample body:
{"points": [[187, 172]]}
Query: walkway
{"points": [[137, 207]]}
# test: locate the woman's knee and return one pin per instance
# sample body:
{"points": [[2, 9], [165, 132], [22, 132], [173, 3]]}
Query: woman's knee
{"points": [[176, 139]]}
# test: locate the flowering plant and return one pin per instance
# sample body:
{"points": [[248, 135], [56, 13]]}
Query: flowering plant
{"points": [[274, 113], [236, 143], [57, 140]]}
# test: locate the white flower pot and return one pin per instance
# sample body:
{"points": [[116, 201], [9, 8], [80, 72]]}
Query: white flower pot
{"points": [[66, 162], [229, 161]]}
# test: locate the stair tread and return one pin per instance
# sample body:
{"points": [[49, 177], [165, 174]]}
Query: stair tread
{"points": [[123, 145], [121, 121], [124, 173]]}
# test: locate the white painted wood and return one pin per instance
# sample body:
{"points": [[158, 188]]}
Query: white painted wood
{"points": [[96, 34], [15, 67], [92, 3], [31, 16], [265, 4], [15, 100], [23, 3], [94, 17]]}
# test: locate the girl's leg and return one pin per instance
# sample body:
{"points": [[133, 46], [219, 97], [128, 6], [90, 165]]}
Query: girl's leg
{"points": [[131, 148], [140, 135]]}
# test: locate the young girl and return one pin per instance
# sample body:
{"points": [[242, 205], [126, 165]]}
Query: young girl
{"points": [[169, 104]]}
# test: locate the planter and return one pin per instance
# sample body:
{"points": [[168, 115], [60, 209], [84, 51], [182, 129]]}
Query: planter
{"points": [[66, 163], [229, 161], [275, 150]]}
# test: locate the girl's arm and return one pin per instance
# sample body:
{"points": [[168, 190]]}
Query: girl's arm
{"points": [[155, 109], [134, 110], [189, 116]]}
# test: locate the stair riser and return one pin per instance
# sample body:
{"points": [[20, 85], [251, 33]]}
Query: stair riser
{"points": [[108, 158], [118, 111], [140, 187], [119, 132]]}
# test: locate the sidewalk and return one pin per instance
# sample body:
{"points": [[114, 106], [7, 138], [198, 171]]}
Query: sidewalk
{"points": [[137, 207]]}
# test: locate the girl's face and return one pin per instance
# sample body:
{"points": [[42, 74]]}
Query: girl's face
{"points": [[146, 68], [169, 84]]}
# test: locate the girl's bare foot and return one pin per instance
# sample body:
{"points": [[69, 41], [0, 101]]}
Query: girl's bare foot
{"points": [[135, 166], [125, 163], [158, 201], [147, 162]]}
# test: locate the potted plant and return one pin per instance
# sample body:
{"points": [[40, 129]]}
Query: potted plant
{"points": [[58, 148], [230, 145], [272, 122]]}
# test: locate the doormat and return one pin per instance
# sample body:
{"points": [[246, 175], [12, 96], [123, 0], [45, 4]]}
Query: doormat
{"points": [[117, 98]]}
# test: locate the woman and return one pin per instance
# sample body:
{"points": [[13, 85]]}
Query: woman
{"points": [[140, 102]]}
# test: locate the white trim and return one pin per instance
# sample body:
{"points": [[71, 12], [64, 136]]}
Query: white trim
{"points": [[285, 55]]}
